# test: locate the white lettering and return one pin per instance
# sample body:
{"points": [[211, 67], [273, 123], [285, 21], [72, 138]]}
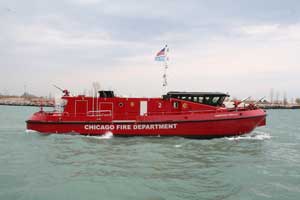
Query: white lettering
{"points": [[154, 126], [129, 126], [99, 127]]}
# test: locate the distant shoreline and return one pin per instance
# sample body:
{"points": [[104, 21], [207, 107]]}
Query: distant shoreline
{"points": [[270, 106], [27, 105], [280, 107], [26, 101]]}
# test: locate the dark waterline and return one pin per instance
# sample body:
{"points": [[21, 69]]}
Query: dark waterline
{"points": [[263, 165]]}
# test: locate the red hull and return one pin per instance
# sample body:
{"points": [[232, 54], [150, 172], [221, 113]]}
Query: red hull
{"points": [[206, 128], [197, 115]]}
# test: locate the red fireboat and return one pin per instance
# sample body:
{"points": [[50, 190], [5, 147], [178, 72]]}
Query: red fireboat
{"points": [[183, 114]]}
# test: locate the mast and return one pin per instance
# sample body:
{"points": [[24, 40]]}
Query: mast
{"points": [[165, 80], [162, 56]]}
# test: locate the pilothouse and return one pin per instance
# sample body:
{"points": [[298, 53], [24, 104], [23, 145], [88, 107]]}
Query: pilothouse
{"points": [[207, 98]]}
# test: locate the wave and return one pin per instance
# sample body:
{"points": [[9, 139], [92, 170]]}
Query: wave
{"points": [[30, 131], [258, 135], [107, 135], [178, 145]]}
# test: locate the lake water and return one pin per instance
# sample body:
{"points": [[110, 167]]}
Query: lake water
{"points": [[262, 165]]}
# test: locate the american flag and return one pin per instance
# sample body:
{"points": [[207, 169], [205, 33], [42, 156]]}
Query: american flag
{"points": [[161, 55]]}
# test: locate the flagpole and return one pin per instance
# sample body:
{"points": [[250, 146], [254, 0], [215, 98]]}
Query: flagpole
{"points": [[165, 80]]}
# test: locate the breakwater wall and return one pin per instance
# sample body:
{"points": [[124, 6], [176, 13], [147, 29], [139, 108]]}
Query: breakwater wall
{"points": [[21, 101]]}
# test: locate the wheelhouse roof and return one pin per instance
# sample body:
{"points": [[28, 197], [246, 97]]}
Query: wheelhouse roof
{"points": [[176, 93]]}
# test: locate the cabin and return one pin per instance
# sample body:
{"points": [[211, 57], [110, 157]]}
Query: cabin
{"points": [[112, 107]]}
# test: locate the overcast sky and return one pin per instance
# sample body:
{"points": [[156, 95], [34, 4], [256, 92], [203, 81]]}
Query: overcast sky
{"points": [[238, 46]]}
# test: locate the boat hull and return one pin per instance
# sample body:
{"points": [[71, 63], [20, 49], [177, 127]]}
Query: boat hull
{"points": [[208, 128]]}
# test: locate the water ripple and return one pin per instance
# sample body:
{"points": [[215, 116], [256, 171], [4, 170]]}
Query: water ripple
{"points": [[262, 165]]}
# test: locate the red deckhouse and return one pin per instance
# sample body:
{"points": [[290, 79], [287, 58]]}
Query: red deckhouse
{"points": [[186, 114]]}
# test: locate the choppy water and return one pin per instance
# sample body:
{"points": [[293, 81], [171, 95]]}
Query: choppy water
{"points": [[263, 165]]}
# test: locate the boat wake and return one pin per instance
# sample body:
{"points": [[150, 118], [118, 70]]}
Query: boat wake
{"points": [[30, 131], [107, 135], [257, 135], [178, 145]]}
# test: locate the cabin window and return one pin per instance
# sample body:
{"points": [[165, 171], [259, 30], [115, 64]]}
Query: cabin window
{"points": [[221, 100], [175, 104], [200, 99], [215, 100], [195, 99], [206, 100]]}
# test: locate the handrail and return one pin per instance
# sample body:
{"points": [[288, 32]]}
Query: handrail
{"points": [[198, 111], [184, 112], [99, 113], [57, 113], [107, 113]]}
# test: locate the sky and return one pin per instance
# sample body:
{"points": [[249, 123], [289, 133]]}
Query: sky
{"points": [[241, 47]]}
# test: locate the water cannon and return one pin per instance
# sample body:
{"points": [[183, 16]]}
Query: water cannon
{"points": [[65, 91], [259, 100], [236, 103], [253, 106]]}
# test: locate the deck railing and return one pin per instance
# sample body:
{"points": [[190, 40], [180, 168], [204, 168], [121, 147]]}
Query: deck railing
{"points": [[99, 113], [108, 113]]}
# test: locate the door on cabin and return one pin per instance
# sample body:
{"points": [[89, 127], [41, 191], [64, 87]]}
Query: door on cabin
{"points": [[143, 107], [81, 107]]}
